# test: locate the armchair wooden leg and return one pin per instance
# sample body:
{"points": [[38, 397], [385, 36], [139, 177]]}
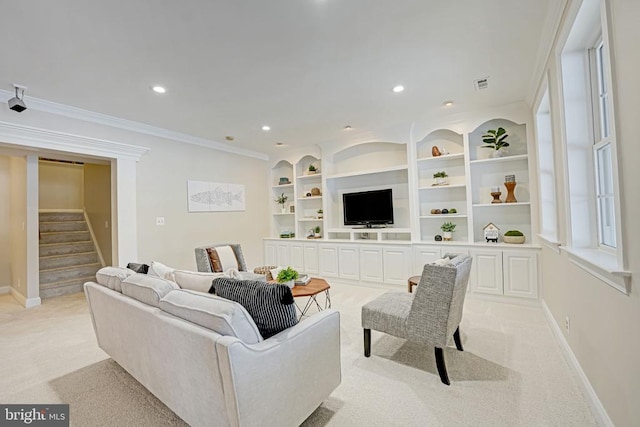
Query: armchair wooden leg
{"points": [[456, 338], [367, 342], [442, 368]]}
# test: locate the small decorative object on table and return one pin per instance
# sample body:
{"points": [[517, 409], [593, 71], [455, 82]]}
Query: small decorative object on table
{"points": [[316, 231], [437, 238], [510, 183], [284, 180], [292, 209], [315, 191], [435, 151], [496, 140], [491, 232], [513, 236], [287, 276], [302, 279], [320, 213], [447, 228], [308, 194], [441, 178], [495, 192]]}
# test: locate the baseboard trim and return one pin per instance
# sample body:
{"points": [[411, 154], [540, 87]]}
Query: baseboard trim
{"points": [[26, 302], [5, 290], [594, 402]]}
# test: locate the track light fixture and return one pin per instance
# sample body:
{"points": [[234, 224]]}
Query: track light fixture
{"points": [[17, 104]]}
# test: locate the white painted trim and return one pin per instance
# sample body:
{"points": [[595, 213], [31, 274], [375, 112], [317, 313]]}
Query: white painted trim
{"points": [[602, 266], [594, 402], [93, 237], [5, 290], [61, 210], [550, 242], [26, 302], [103, 119], [52, 140]]}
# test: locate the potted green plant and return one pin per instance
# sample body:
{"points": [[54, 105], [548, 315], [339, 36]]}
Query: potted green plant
{"points": [[513, 236], [447, 228], [281, 200], [441, 178], [312, 170], [320, 213], [496, 140], [287, 276], [317, 231]]}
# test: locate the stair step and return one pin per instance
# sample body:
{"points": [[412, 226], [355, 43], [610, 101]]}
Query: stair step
{"points": [[58, 226], [52, 249], [68, 273], [65, 237], [63, 288], [61, 216], [68, 260]]}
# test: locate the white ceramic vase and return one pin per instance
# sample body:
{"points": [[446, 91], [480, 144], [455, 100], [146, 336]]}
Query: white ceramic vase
{"points": [[447, 235]]}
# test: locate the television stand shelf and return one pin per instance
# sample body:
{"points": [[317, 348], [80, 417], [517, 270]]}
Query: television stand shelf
{"points": [[387, 234]]}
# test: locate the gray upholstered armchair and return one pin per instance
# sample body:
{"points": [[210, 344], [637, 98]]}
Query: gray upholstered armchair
{"points": [[430, 316]]}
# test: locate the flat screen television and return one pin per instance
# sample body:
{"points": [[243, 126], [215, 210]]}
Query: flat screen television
{"points": [[368, 208]]}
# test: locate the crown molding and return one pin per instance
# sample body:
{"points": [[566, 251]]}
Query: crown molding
{"points": [[15, 134], [116, 122], [549, 32]]}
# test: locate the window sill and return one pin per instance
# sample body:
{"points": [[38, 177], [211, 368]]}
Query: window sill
{"points": [[550, 242], [602, 265]]}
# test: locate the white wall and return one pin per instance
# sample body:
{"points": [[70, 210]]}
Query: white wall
{"points": [[5, 222], [61, 185], [605, 324]]}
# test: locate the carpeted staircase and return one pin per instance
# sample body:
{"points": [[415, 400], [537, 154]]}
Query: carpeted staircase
{"points": [[68, 257]]}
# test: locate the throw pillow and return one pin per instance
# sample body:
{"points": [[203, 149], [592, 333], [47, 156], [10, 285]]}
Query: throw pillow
{"points": [[270, 305], [160, 270], [441, 261], [222, 258], [195, 281], [112, 277], [138, 268]]}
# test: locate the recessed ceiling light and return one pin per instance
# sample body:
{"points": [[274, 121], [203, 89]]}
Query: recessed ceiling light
{"points": [[265, 127], [229, 138], [279, 144], [398, 89], [347, 127], [158, 89], [447, 103]]}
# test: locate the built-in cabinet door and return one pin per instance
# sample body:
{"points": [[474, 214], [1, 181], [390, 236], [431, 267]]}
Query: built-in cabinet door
{"points": [[328, 260], [396, 262], [283, 254], [486, 272], [423, 255], [311, 258], [520, 274], [371, 264], [270, 253], [296, 256], [349, 262]]}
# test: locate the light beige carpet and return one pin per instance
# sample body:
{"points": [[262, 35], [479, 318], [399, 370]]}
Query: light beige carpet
{"points": [[511, 373]]}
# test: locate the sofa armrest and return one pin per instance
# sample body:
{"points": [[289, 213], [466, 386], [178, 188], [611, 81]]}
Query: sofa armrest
{"points": [[282, 380]]}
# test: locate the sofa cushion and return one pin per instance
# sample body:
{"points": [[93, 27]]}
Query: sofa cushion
{"points": [[218, 314], [195, 281], [147, 289], [222, 258], [112, 277], [270, 305]]}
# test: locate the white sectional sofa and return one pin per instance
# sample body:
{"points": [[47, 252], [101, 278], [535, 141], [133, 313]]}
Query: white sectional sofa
{"points": [[202, 356]]}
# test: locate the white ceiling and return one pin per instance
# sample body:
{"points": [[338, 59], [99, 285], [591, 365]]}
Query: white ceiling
{"points": [[305, 67]]}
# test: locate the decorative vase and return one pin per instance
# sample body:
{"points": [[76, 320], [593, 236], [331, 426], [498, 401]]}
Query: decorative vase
{"points": [[290, 284], [496, 196], [511, 198], [496, 154], [283, 209], [441, 181], [447, 235], [435, 152]]}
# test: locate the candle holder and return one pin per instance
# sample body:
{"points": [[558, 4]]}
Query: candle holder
{"points": [[496, 196], [511, 198]]}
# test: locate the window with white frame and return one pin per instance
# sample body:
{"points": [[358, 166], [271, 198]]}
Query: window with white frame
{"points": [[594, 231], [546, 170]]}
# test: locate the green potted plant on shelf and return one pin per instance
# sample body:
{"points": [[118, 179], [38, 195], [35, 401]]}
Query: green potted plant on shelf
{"points": [[496, 139], [441, 178], [447, 230], [282, 200], [287, 276], [317, 231], [513, 236], [312, 170]]}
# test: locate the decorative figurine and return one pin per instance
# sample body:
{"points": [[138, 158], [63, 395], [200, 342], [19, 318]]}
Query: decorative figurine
{"points": [[438, 238], [491, 232]]}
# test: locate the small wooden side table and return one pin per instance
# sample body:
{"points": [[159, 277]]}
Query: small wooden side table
{"points": [[413, 281]]}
